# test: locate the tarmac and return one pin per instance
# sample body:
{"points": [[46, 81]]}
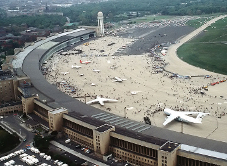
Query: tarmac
{"points": [[153, 91]]}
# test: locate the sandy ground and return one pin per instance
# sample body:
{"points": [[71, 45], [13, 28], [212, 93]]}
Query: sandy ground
{"points": [[153, 91]]}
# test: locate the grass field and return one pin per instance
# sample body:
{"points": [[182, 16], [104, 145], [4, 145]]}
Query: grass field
{"points": [[7, 141], [209, 49]]}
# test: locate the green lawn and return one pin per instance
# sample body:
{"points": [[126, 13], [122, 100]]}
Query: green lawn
{"points": [[7, 141], [208, 50]]}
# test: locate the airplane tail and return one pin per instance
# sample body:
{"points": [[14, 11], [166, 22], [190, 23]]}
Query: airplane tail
{"points": [[80, 61], [200, 116]]}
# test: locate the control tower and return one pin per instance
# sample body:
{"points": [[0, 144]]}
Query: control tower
{"points": [[100, 24]]}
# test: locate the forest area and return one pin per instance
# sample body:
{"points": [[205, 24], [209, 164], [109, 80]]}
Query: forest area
{"points": [[117, 10]]}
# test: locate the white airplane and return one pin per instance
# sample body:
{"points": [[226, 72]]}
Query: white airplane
{"points": [[101, 100], [94, 70], [84, 62], [64, 73], [183, 116], [134, 92], [77, 67], [117, 79]]}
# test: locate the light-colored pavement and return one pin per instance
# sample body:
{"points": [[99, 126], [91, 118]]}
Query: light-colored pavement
{"points": [[181, 67], [77, 154]]}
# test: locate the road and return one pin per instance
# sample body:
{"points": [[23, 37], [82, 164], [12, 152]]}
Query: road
{"points": [[15, 124], [77, 154]]}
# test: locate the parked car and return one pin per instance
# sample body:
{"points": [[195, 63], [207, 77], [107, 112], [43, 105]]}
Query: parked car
{"points": [[78, 146]]}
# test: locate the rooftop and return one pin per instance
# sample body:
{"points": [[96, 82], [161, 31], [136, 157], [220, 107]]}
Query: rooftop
{"points": [[205, 152], [86, 119], [104, 128], [169, 146], [4, 75], [139, 136], [56, 111]]}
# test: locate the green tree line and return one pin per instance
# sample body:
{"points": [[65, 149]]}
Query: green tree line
{"points": [[38, 21], [86, 14]]}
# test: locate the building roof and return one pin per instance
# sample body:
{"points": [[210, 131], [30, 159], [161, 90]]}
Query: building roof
{"points": [[169, 146], [56, 111], [4, 75], [104, 128], [139, 136], [85, 119], [205, 152]]}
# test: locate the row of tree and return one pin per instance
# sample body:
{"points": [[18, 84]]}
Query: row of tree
{"points": [[86, 14], [38, 21]]}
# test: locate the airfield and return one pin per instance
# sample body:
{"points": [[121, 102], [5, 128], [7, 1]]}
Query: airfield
{"points": [[147, 90]]}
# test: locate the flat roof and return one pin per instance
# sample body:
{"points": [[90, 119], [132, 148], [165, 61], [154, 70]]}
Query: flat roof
{"points": [[205, 152], [169, 146], [85, 118], [140, 136], [56, 111], [31, 69], [72, 35], [104, 128]]}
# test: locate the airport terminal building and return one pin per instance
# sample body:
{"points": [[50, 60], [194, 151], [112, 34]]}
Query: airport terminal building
{"points": [[26, 90]]}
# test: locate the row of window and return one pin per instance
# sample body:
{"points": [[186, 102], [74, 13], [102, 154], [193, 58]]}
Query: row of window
{"points": [[183, 161], [86, 131], [133, 147], [1, 83], [136, 160], [10, 108], [41, 110], [78, 138]]}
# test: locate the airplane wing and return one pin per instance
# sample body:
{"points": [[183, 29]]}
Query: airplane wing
{"points": [[118, 79], [92, 101], [170, 119], [190, 119], [106, 100], [110, 100], [101, 102], [190, 113]]}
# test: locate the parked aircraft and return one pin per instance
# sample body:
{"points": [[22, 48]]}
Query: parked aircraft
{"points": [[84, 62], [117, 79], [94, 70], [134, 92], [77, 67], [64, 73], [101, 100], [183, 116]]}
